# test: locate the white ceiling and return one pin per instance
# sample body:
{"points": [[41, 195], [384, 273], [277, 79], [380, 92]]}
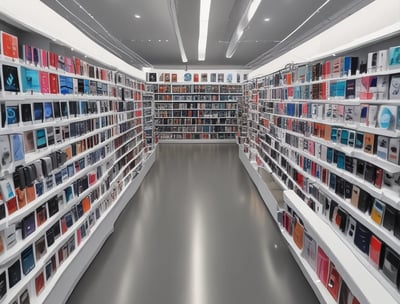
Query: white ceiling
{"points": [[114, 26]]}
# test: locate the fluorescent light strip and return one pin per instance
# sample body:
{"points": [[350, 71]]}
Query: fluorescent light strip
{"points": [[243, 24], [172, 11], [205, 6]]}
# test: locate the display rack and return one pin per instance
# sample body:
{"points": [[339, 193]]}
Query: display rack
{"points": [[194, 112], [148, 119], [330, 131], [72, 150]]}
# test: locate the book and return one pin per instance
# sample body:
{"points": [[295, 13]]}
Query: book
{"points": [[14, 273], [39, 283], [17, 145], [394, 57], [334, 281], [375, 250], [27, 259], [30, 80], [372, 62], [387, 117], [8, 194], [40, 248], [394, 89], [322, 266], [3, 285], [24, 297], [53, 80], [28, 225], [10, 78], [9, 45], [44, 82]]}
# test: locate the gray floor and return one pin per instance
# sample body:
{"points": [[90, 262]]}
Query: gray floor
{"points": [[196, 232]]}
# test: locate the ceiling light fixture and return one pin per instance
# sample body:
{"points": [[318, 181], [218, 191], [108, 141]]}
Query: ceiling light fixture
{"points": [[267, 19], [244, 22], [137, 16], [172, 12], [205, 6]]}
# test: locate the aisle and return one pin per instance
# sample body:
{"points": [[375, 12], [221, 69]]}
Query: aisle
{"points": [[196, 232]]}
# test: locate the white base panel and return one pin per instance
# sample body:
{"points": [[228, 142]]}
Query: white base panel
{"points": [[262, 188], [71, 275], [197, 141]]}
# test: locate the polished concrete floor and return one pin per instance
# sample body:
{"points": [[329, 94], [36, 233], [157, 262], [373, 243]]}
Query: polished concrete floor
{"points": [[196, 232]]}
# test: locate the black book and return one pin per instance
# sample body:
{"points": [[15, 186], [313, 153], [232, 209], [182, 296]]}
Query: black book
{"points": [[350, 89], [28, 225], [365, 201], [14, 273], [389, 218], [362, 238], [53, 206], [3, 285]]}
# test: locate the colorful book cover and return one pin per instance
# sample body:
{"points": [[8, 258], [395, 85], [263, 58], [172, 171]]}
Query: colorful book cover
{"points": [[54, 89], [44, 58], [30, 80], [9, 45], [394, 57], [44, 82]]}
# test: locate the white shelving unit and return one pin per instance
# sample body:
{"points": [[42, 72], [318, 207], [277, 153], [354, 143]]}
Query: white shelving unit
{"points": [[191, 112], [95, 142]]}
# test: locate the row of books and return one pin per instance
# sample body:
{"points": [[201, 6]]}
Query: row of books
{"points": [[21, 79], [196, 113], [47, 59], [29, 182], [194, 121], [196, 136], [189, 89], [317, 258], [337, 184], [170, 97], [385, 147], [200, 106], [197, 129], [377, 61], [194, 77], [382, 116]]}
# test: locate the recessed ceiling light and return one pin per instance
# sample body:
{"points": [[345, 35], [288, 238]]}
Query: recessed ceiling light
{"points": [[334, 55], [72, 49], [149, 40], [85, 56], [137, 16], [166, 40], [256, 41], [159, 40], [267, 19]]}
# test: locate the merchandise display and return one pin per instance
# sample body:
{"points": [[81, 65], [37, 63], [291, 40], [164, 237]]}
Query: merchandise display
{"points": [[330, 134], [196, 112], [67, 153]]}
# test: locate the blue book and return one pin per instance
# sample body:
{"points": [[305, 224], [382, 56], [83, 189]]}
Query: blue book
{"points": [[28, 261], [347, 65], [30, 80], [66, 85]]}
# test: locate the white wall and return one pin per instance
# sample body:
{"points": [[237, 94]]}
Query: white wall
{"points": [[376, 20], [40, 18]]}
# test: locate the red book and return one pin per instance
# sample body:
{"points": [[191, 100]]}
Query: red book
{"points": [[53, 60], [78, 66], [375, 249], [322, 266], [12, 205], [196, 77], [9, 45], [78, 236], [53, 83], [39, 283], [44, 82], [334, 282], [44, 58]]}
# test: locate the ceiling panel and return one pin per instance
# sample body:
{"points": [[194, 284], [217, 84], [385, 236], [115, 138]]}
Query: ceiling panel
{"points": [[151, 40]]}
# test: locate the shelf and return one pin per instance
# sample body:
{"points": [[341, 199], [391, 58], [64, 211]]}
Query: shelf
{"points": [[198, 141], [356, 276]]}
